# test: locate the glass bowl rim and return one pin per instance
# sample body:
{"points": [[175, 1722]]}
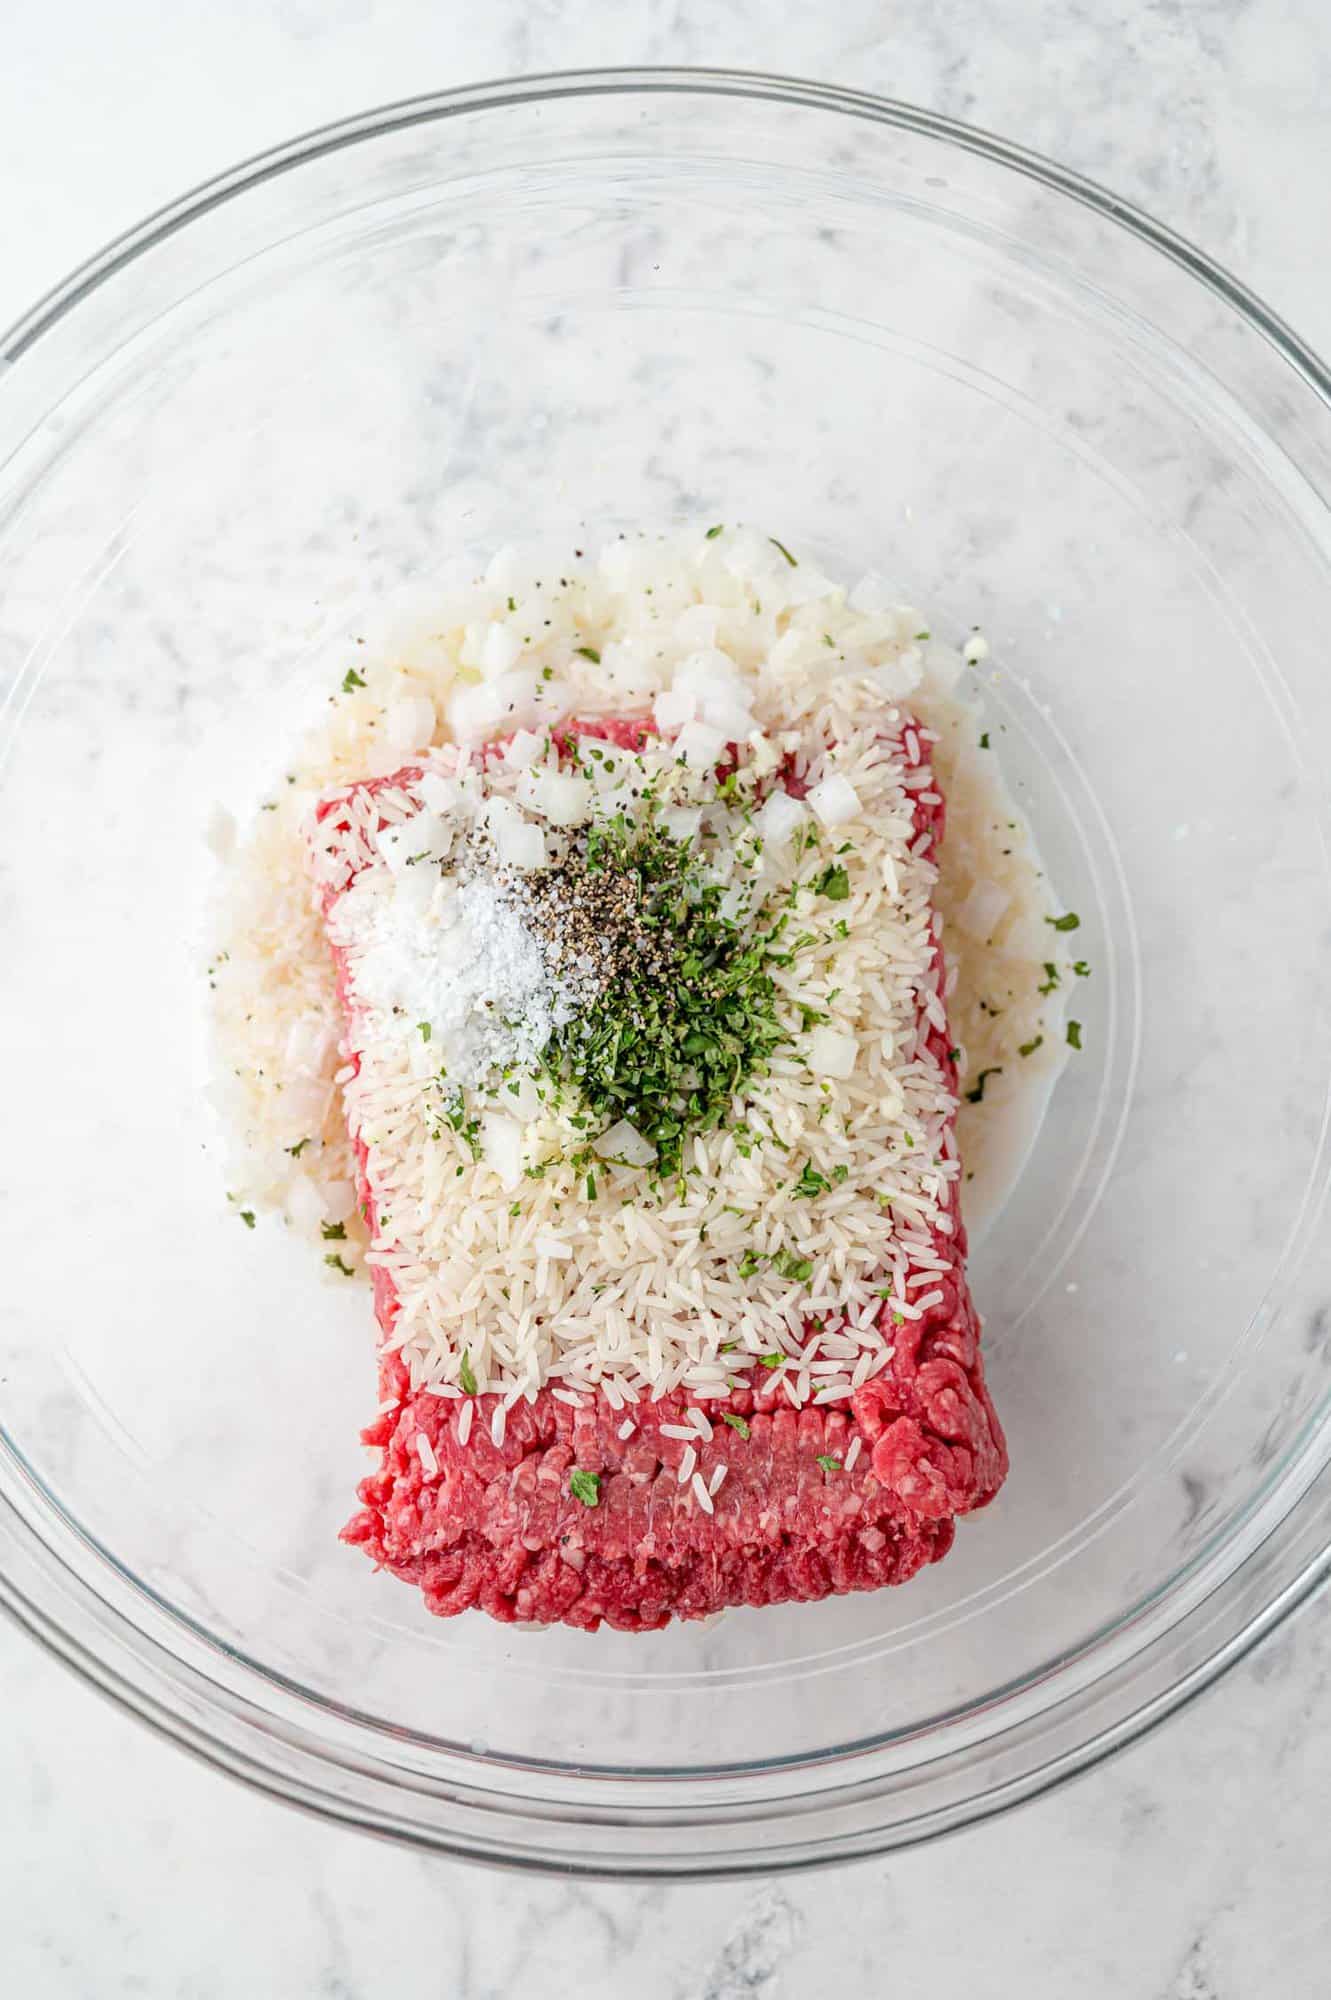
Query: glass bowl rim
{"points": [[241, 1750]]}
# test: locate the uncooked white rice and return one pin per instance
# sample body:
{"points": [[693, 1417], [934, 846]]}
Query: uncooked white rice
{"points": [[639, 1306]]}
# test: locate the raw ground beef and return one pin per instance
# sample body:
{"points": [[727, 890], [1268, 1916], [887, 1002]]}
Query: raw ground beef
{"points": [[499, 1530]]}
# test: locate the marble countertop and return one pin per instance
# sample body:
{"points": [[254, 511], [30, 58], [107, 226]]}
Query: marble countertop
{"points": [[1190, 1868]]}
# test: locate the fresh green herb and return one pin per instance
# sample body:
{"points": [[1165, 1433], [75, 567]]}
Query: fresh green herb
{"points": [[590, 1185], [712, 533], [828, 1463], [1081, 968], [737, 1424], [1029, 1048], [770, 1360], [588, 653], [466, 1374], [1070, 922], [333, 1232], [691, 1016], [1051, 979], [1074, 1034], [797, 1269], [270, 806], [922, 635], [351, 679], [247, 1217], [299, 1147], [749, 1263], [834, 883], [784, 550], [334, 1263], [810, 1183], [585, 1486], [976, 1096], [512, 603], [424, 1030], [828, 640], [841, 1173], [515, 1208], [841, 927], [984, 740], [547, 673]]}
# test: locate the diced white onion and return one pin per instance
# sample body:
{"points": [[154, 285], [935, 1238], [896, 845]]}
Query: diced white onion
{"points": [[701, 747], [625, 1142], [522, 749], [780, 816], [409, 723], [519, 842], [440, 794], [339, 1199], [501, 650], [563, 798], [674, 707], [834, 800], [483, 707], [501, 1146], [831, 1053]]}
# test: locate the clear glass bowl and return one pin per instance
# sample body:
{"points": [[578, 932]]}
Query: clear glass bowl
{"points": [[561, 305]]}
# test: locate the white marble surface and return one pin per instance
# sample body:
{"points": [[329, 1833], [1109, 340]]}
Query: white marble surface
{"points": [[1192, 1868]]}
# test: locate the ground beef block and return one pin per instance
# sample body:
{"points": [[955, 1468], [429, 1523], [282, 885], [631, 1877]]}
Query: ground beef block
{"points": [[497, 1528]]}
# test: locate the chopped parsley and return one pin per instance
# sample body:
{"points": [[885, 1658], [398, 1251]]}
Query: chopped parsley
{"points": [[737, 1424], [984, 740], [828, 1463], [299, 1147], [798, 1270], [351, 679], [590, 1186], [1051, 978], [976, 1096], [515, 1208], [770, 1360], [466, 1374], [810, 1183], [1074, 1034], [334, 1263], [588, 653], [1070, 922], [691, 1015], [1029, 1048], [784, 550], [712, 533], [424, 1030], [333, 1232], [585, 1486], [1081, 968], [247, 1217], [834, 883], [749, 1263], [512, 603]]}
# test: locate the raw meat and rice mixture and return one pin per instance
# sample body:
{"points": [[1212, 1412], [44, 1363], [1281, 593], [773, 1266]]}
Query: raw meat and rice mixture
{"points": [[612, 1010]]}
